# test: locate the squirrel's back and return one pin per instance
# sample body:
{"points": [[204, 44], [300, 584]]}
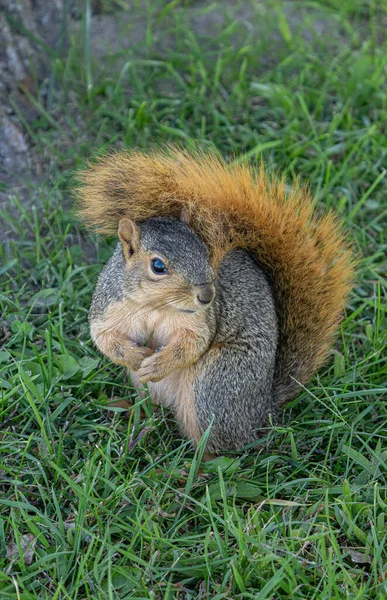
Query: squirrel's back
{"points": [[306, 256]]}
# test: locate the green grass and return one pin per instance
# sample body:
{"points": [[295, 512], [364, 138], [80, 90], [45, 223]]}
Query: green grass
{"points": [[120, 507]]}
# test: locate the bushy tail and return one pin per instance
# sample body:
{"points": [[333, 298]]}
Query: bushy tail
{"points": [[307, 256]]}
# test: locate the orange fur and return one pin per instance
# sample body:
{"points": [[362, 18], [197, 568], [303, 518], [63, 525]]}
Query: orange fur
{"points": [[233, 206]]}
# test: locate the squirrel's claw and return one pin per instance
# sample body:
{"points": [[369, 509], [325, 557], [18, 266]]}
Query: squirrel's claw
{"points": [[152, 369], [133, 358]]}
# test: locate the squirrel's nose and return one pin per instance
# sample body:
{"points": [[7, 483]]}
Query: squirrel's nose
{"points": [[205, 294]]}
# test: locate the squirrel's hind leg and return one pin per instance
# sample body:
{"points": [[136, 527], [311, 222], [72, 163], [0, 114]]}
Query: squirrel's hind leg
{"points": [[236, 395]]}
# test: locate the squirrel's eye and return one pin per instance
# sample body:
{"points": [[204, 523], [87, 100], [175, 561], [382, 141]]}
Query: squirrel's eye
{"points": [[158, 266]]}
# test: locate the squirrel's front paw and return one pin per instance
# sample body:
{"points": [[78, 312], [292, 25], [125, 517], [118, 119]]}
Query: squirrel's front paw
{"points": [[131, 356], [139, 355], [154, 368]]}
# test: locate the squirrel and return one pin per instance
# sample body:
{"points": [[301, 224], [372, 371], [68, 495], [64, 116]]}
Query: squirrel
{"points": [[225, 291]]}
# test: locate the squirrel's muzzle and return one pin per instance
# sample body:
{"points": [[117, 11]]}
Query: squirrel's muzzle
{"points": [[204, 294]]}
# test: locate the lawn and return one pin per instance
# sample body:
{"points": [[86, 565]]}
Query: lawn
{"points": [[101, 503]]}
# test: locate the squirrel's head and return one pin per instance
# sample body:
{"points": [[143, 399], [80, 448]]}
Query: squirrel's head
{"points": [[166, 264]]}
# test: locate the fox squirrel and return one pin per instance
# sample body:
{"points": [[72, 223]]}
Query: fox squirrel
{"points": [[224, 292]]}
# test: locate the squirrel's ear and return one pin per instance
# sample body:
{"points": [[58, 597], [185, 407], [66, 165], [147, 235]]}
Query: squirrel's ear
{"points": [[129, 234], [185, 216]]}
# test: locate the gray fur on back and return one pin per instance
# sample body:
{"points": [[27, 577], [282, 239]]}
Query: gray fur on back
{"points": [[236, 386], [110, 284]]}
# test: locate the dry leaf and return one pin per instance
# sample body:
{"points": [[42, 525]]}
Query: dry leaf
{"points": [[27, 544], [120, 404], [358, 557]]}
